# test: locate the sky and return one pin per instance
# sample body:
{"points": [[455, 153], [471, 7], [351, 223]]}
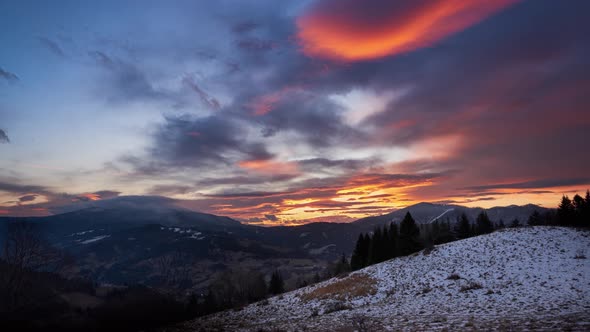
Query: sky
{"points": [[286, 112]]}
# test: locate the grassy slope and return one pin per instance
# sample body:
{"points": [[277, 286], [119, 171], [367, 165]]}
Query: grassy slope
{"points": [[527, 278]]}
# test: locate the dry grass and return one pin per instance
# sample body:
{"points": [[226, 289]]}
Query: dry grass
{"points": [[471, 286], [356, 285]]}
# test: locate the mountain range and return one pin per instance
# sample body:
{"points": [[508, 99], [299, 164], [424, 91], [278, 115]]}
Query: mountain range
{"points": [[137, 239]]}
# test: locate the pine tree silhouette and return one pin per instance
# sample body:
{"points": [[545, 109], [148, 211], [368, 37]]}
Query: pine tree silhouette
{"points": [[483, 224], [409, 236], [393, 241], [276, 285], [578, 204], [535, 219], [565, 212], [463, 228], [359, 255]]}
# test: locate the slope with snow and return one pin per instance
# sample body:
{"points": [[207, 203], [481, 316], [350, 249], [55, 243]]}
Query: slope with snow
{"points": [[534, 278]]}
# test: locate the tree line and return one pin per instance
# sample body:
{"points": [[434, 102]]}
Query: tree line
{"points": [[235, 288], [390, 241]]}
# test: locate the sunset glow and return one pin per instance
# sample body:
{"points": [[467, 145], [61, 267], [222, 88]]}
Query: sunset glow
{"points": [[343, 34], [290, 112]]}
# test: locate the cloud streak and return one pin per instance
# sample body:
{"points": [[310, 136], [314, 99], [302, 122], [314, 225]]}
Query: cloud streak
{"points": [[8, 76], [3, 137], [353, 30]]}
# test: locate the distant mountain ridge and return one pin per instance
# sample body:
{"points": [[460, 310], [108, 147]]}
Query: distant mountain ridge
{"points": [[118, 240], [428, 212]]}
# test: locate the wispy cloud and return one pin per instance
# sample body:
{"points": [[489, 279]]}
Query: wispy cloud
{"points": [[52, 46], [8, 76], [3, 137]]}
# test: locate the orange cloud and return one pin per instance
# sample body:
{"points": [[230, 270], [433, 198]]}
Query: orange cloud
{"points": [[346, 30], [263, 104], [270, 166], [342, 199], [91, 196]]}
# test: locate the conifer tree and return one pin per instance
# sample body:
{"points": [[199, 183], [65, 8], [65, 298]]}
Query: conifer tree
{"points": [[342, 266], [586, 210], [365, 249], [409, 236], [463, 228], [386, 245], [393, 240], [535, 219], [515, 223], [445, 235], [501, 224], [565, 212], [374, 243], [359, 256], [549, 218], [316, 278], [483, 224], [210, 304], [276, 285], [434, 231], [578, 204]]}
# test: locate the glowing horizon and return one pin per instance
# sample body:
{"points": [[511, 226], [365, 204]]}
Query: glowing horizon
{"points": [[282, 113]]}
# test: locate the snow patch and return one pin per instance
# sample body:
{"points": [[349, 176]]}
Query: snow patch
{"points": [[196, 236], [94, 239], [82, 233], [531, 278], [442, 214], [319, 251]]}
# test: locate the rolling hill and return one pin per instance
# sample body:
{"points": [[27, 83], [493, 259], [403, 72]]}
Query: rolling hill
{"points": [[533, 278]]}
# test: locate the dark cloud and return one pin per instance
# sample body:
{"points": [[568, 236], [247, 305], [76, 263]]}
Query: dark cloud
{"points": [[52, 46], [244, 27], [106, 194], [191, 142], [543, 183], [271, 217], [317, 120], [464, 201], [250, 179], [207, 100], [348, 165], [163, 190], [125, 81], [20, 188], [10, 77], [256, 44], [3, 137], [52, 202], [27, 198], [256, 194]]}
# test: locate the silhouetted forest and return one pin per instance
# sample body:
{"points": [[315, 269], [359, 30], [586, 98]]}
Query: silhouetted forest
{"points": [[391, 241]]}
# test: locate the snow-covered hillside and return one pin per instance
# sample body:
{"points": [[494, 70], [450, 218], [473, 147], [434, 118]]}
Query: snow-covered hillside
{"points": [[517, 279]]}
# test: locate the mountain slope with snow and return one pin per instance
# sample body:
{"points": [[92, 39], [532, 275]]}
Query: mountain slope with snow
{"points": [[425, 213], [534, 278]]}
